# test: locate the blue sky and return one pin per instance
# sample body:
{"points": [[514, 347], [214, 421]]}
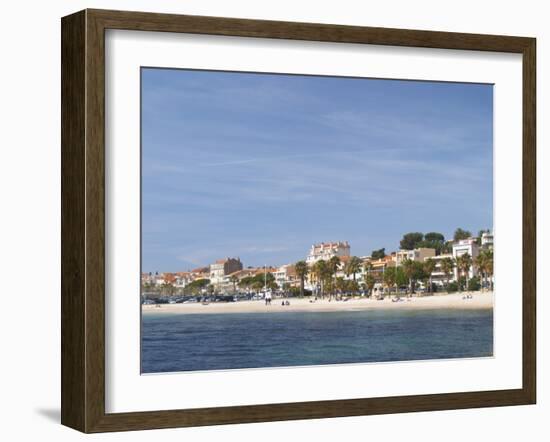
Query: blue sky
{"points": [[261, 166]]}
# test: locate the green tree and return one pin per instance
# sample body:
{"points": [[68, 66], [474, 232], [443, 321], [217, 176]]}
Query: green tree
{"points": [[390, 278], [489, 267], [301, 270], [429, 267], [400, 277], [461, 234], [378, 254], [434, 236], [447, 266], [452, 287], [246, 282], [473, 284], [322, 273], [433, 240], [353, 266], [340, 284], [409, 269], [234, 280], [369, 283], [258, 281], [352, 286], [463, 263], [168, 288], [333, 265], [446, 247], [484, 264], [410, 240], [196, 286], [414, 271]]}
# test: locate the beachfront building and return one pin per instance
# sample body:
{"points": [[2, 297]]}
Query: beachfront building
{"points": [[327, 250], [420, 254], [378, 266], [153, 279], [147, 279], [285, 276], [244, 273], [182, 279], [462, 247], [223, 267], [199, 273], [439, 277], [232, 282], [487, 240]]}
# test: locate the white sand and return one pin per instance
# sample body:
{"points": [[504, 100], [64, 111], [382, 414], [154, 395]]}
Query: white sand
{"points": [[479, 301]]}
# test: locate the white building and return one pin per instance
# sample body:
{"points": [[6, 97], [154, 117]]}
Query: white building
{"points": [[182, 279], [327, 250], [462, 247], [285, 276], [224, 267], [439, 277], [487, 240]]}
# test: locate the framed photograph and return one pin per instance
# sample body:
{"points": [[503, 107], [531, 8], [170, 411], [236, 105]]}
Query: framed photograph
{"points": [[267, 221]]}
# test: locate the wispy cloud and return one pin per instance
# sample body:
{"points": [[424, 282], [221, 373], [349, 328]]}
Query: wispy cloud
{"points": [[263, 166]]}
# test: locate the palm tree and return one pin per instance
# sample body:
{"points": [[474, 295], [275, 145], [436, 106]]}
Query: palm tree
{"points": [[390, 277], [369, 283], [354, 266], [409, 270], [340, 284], [480, 263], [332, 265], [369, 278], [464, 262], [320, 269], [489, 267], [167, 288], [234, 280], [429, 267], [484, 264], [301, 270], [447, 266]]}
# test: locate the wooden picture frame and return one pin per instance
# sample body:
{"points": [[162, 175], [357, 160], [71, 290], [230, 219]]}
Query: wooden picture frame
{"points": [[83, 220]]}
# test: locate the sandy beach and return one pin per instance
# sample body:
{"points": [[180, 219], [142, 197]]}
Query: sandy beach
{"points": [[453, 301]]}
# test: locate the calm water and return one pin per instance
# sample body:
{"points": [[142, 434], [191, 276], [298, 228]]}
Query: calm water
{"points": [[176, 342]]}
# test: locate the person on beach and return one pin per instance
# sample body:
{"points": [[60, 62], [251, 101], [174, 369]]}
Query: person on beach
{"points": [[268, 298]]}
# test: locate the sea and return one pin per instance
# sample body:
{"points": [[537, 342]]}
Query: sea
{"points": [[190, 342]]}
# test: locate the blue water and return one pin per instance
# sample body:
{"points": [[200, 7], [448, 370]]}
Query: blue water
{"points": [[179, 342]]}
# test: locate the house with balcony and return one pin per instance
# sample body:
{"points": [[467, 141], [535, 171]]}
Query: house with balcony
{"points": [[223, 267], [327, 250], [469, 246]]}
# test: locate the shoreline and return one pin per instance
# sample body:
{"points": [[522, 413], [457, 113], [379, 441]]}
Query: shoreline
{"points": [[479, 301]]}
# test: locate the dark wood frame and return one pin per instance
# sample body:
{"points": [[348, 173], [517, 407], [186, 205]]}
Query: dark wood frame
{"points": [[83, 218]]}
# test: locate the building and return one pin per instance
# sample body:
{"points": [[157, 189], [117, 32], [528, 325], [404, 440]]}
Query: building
{"points": [[420, 254], [439, 277], [378, 266], [223, 267], [462, 247], [487, 240], [245, 273], [327, 250], [147, 279], [200, 273], [182, 279], [285, 276]]}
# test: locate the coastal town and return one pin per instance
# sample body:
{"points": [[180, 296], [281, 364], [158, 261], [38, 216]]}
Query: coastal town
{"points": [[424, 264]]}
